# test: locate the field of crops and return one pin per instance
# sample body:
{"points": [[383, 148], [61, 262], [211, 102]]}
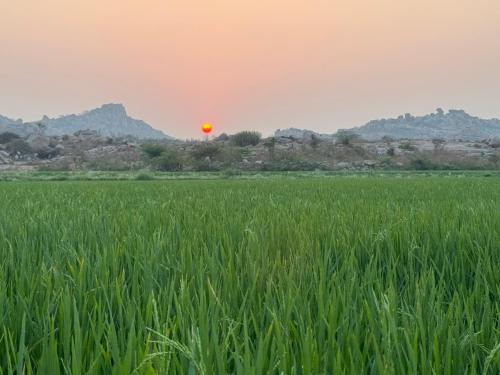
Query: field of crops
{"points": [[285, 276]]}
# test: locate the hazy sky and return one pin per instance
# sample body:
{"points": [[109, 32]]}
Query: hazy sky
{"points": [[244, 64]]}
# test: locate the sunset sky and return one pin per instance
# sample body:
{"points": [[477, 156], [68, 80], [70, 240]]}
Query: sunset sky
{"points": [[259, 65]]}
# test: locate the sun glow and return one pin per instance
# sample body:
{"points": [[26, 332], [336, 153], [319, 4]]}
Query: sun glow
{"points": [[207, 128]]}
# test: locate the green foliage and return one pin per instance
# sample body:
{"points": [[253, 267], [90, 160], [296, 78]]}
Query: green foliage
{"points": [[18, 146], [6, 137], [315, 141], [246, 138], [270, 143], [47, 152], [408, 146], [421, 164], [270, 276], [204, 150], [144, 177], [169, 160], [153, 150], [346, 138]]}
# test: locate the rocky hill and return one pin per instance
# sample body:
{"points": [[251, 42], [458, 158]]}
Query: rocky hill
{"points": [[454, 125], [303, 134], [110, 120]]}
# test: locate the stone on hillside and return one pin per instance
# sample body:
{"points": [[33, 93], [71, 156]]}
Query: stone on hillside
{"points": [[343, 165]]}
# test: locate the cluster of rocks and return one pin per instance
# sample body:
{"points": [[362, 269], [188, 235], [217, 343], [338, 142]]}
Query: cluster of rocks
{"points": [[454, 125], [73, 151]]}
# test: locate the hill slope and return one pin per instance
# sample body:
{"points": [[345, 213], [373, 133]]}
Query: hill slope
{"points": [[109, 120]]}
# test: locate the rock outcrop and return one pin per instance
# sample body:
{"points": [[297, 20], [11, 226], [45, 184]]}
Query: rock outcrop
{"points": [[299, 134], [17, 127], [110, 120], [454, 125]]}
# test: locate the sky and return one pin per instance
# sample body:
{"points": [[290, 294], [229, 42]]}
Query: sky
{"points": [[246, 64]]}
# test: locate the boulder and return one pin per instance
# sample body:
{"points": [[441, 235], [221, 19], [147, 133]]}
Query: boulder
{"points": [[38, 141], [343, 165]]}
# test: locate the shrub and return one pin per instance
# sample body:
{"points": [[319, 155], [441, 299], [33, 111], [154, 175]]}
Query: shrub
{"points": [[407, 146], [144, 177], [246, 138], [48, 153], [421, 164], [153, 150], [390, 151], [315, 141], [205, 166], [204, 150], [169, 160], [18, 146], [346, 138], [6, 137]]}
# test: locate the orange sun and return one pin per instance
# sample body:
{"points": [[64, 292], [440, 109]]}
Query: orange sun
{"points": [[206, 128]]}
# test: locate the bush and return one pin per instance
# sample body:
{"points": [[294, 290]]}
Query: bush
{"points": [[407, 146], [421, 164], [205, 166], [205, 150], [144, 177], [18, 146], [153, 150], [48, 153], [315, 141], [6, 137], [246, 138], [346, 138], [169, 160]]}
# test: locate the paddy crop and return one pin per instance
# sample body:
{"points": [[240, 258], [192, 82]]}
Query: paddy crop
{"points": [[283, 276]]}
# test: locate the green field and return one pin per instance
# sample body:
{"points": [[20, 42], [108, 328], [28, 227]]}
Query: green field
{"points": [[376, 275]]}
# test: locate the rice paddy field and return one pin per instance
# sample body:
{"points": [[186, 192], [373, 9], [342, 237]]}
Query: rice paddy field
{"points": [[339, 275]]}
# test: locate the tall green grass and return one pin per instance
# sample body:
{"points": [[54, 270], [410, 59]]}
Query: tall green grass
{"points": [[312, 276]]}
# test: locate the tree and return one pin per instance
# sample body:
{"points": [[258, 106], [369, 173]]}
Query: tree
{"points": [[153, 150], [246, 138], [387, 139], [270, 143], [169, 160], [204, 150], [346, 138], [315, 141], [18, 146]]}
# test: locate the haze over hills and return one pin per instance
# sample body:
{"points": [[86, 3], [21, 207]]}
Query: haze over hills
{"points": [[109, 120], [454, 125]]}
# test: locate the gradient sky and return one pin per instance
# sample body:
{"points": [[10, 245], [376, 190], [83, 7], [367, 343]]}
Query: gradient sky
{"points": [[260, 65]]}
